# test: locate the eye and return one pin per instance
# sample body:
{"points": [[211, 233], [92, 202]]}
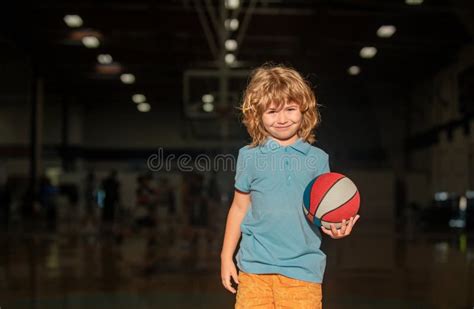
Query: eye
{"points": [[271, 112], [291, 109]]}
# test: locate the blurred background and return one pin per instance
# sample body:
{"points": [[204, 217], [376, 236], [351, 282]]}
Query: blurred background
{"points": [[99, 100]]}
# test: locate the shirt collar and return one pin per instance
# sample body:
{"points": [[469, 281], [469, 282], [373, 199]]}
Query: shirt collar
{"points": [[270, 145]]}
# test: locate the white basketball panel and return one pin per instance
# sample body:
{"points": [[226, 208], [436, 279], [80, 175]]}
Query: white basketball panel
{"points": [[339, 194]]}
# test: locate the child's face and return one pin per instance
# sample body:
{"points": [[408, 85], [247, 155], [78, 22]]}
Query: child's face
{"points": [[283, 123]]}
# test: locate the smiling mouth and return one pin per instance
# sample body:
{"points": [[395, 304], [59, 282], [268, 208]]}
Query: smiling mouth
{"points": [[283, 127]]}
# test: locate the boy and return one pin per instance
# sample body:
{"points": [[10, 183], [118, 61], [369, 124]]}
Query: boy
{"points": [[280, 260]]}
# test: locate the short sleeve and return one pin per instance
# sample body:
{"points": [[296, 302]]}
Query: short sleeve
{"points": [[325, 165], [243, 171]]}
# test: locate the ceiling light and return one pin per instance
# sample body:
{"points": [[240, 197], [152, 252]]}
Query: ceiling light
{"points": [[208, 107], [232, 4], [353, 70], [232, 24], [73, 21], [413, 2], [138, 98], [127, 78], [368, 52], [104, 59], [90, 41], [207, 98], [229, 58], [144, 107], [386, 31], [231, 45]]}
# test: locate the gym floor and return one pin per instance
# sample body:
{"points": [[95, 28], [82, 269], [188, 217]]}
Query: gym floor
{"points": [[106, 270]]}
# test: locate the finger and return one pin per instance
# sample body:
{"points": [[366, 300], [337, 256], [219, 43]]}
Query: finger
{"points": [[224, 282], [336, 233], [355, 219], [235, 277], [326, 231], [228, 282], [232, 290], [343, 227], [349, 228], [228, 285]]}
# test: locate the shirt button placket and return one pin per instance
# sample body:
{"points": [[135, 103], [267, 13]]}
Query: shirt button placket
{"points": [[287, 169]]}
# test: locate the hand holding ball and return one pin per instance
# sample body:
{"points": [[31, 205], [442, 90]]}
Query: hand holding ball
{"points": [[330, 198]]}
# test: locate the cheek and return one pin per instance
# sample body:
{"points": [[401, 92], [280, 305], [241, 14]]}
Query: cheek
{"points": [[267, 120], [297, 117]]}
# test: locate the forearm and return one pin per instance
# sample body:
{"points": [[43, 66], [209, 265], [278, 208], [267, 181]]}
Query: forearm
{"points": [[232, 231]]}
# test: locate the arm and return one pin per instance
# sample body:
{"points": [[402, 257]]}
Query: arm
{"points": [[237, 212]]}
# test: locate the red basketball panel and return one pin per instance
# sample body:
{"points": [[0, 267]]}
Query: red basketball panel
{"points": [[345, 211], [322, 184]]}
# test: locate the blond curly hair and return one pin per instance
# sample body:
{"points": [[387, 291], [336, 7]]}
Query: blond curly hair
{"points": [[280, 85]]}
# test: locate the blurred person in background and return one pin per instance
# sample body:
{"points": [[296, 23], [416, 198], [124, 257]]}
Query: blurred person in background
{"points": [[165, 208], [47, 198], [145, 200], [90, 201], [111, 187]]}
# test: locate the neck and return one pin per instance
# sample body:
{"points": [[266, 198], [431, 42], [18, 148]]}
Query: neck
{"points": [[286, 142]]}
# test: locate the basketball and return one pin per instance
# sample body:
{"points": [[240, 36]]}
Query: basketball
{"points": [[330, 198]]}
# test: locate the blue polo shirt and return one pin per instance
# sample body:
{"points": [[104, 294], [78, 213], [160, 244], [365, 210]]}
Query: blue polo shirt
{"points": [[276, 236]]}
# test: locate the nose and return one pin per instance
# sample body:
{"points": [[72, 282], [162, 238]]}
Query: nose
{"points": [[281, 118]]}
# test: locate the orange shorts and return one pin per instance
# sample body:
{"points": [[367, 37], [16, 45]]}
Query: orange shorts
{"points": [[277, 291]]}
